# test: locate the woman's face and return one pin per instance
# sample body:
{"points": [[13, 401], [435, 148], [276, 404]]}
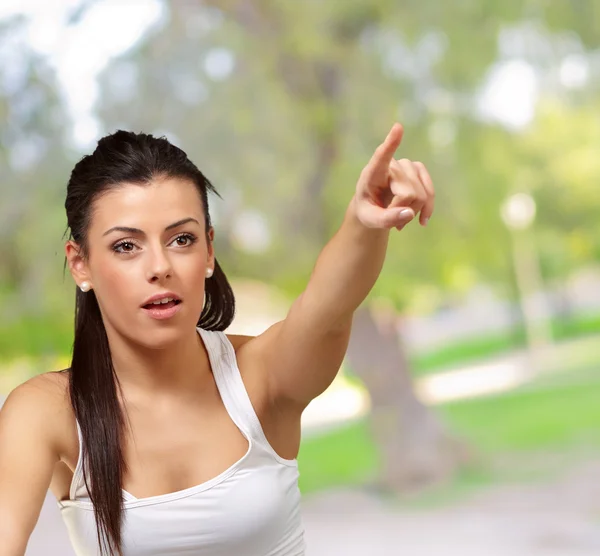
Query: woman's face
{"points": [[147, 240]]}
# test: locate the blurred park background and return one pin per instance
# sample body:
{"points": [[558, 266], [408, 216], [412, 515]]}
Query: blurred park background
{"points": [[466, 418]]}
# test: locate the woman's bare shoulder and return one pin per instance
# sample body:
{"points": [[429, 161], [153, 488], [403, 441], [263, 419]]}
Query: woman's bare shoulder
{"points": [[43, 398], [39, 408], [51, 388]]}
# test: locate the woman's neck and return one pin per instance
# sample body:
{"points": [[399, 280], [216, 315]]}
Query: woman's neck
{"points": [[179, 367]]}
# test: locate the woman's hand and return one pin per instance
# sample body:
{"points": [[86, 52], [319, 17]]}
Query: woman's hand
{"points": [[389, 192]]}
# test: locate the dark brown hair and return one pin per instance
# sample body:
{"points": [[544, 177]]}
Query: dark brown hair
{"points": [[137, 158]]}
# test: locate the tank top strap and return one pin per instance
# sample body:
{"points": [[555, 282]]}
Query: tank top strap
{"points": [[231, 386], [78, 489]]}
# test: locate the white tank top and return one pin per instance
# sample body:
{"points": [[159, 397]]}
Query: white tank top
{"points": [[250, 509]]}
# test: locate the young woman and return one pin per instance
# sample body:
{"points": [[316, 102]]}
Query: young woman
{"points": [[166, 435]]}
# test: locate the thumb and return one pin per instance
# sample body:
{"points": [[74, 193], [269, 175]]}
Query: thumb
{"points": [[404, 216], [388, 218], [401, 217]]}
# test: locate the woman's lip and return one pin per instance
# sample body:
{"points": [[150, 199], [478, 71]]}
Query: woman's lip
{"points": [[162, 314], [160, 297]]}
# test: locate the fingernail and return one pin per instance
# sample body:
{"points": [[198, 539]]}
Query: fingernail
{"points": [[425, 221], [406, 212]]}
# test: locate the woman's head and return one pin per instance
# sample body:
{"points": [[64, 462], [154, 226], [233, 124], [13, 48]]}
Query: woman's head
{"points": [[138, 213], [137, 209]]}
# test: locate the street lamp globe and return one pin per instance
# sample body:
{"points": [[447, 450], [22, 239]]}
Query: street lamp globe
{"points": [[518, 211]]}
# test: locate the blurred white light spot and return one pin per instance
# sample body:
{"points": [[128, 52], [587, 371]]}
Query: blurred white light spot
{"points": [[250, 232], [14, 68], [122, 80], [442, 133], [219, 63], [188, 89], [574, 71], [79, 52], [86, 131], [432, 46], [439, 101], [200, 22], [26, 153], [398, 61], [340, 402], [510, 94], [454, 385], [84, 49], [11, 7], [518, 211]]}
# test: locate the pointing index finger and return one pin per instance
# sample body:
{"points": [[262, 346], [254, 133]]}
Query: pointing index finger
{"points": [[384, 154]]}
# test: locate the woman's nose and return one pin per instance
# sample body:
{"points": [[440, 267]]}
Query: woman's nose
{"points": [[159, 266]]}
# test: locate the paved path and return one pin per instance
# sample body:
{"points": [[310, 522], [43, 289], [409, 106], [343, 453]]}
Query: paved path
{"points": [[557, 519]]}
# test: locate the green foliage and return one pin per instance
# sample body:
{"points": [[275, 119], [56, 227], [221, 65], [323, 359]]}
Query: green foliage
{"points": [[37, 337], [560, 159], [33, 170], [326, 81], [545, 418], [313, 88]]}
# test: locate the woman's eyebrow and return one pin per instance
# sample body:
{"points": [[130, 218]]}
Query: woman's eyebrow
{"points": [[130, 230]]}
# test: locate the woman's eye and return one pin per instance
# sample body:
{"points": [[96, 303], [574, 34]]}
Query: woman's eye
{"points": [[185, 240], [124, 247]]}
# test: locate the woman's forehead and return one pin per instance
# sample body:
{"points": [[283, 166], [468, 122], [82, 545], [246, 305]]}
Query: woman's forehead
{"points": [[166, 200]]}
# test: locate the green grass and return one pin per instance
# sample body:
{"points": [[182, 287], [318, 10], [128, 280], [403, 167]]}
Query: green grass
{"points": [[466, 351], [547, 418], [483, 347], [576, 326], [346, 456]]}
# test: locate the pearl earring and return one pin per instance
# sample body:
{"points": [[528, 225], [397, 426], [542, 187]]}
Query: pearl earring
{"points": [[209, 272], [85, 286]]}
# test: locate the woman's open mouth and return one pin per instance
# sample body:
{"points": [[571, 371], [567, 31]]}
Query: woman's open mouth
{"points": [[162, 310]]}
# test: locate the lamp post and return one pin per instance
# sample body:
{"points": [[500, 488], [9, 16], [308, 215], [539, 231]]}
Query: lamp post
{"points": [[518, 213]]}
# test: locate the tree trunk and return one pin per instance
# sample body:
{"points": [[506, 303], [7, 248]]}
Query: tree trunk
{"points": [[416, 449]]}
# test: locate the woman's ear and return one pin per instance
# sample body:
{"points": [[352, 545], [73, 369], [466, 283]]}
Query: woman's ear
{"points": [[210, 262], [77, 264]]}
